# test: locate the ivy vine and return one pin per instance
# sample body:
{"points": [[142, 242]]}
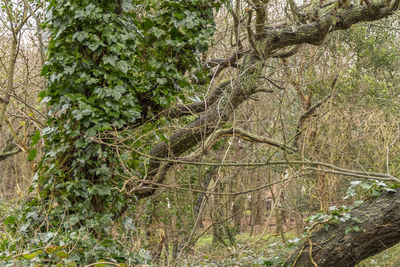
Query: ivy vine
{"points": [[110, 65]]}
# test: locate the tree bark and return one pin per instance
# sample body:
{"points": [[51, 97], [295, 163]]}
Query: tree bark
{"points": [[379, 222]]}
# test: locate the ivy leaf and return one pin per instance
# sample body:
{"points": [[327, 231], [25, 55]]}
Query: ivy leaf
{"points": [[147, 24], [101, 190], [158, 32], [123, 66], [93, 46], [110, 59], [69, 69], [47, 236], [80, 36], [117, 92], [127, 6], [86, 112], [161, 81], [45, 70], [45, 100], [32, 154], [35, 138], [77, 114], [42, 94]]}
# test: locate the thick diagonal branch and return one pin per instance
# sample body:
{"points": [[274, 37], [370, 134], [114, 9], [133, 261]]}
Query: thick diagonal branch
{"points": [[216, 116], [272, 39]]}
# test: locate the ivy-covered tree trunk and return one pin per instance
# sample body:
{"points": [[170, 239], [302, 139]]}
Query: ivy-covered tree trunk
{"points": [[373, 227], [109, 68]]}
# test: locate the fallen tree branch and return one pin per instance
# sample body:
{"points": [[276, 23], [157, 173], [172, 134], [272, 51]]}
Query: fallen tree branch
{"points": [[373, 227]]}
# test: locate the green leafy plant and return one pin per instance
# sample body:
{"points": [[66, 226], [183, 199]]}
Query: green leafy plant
{"points": [[108, 67], [369, 188]]}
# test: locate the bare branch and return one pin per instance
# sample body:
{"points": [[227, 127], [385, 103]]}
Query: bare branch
{"points": [[5, 155], [197, 107], [222, 64], [242, 134]]}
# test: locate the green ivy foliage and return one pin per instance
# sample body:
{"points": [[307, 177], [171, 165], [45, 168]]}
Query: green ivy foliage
{"points": [[110, 65]]}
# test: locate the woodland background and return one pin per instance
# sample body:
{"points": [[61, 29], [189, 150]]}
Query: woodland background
{"points": [[343, 94]]}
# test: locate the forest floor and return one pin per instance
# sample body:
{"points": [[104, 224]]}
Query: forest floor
{"points": [[387, 258], [264, 249], [259, 249]]}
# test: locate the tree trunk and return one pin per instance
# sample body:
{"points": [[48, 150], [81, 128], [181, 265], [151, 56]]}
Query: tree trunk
{"points": [[379, 222], [258, 220], [278, 219], [237, 213], [198, 210]]}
